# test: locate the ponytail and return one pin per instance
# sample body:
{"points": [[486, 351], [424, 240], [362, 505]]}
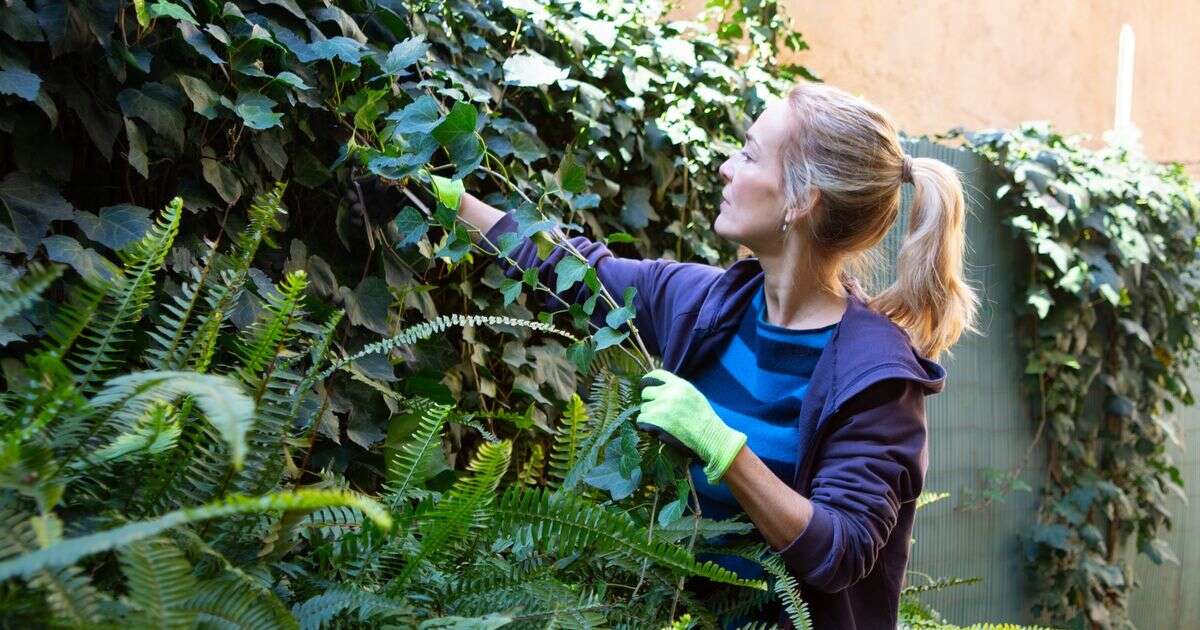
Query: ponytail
{"points": [[930, 298]]}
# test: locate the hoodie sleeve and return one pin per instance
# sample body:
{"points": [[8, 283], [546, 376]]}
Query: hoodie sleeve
{"points": [[664, 288], [874, 461]]}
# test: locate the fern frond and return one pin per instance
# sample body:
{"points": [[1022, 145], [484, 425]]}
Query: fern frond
{"points": [[337, 599], [226, 602], [128, 398], [427, 329], [788, 590], [567, 523], [27, 289], [68, 551], [531, 472], [260, 347], [568, 441], [175, 335], [69, 592], [98, 350], [926, 498], [404, 470], [463, 508], [160, 582]]}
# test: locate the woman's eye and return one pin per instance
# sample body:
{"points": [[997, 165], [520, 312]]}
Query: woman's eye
{"points": [[744, 154]]}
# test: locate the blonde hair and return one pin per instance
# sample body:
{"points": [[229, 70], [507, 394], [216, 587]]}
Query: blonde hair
{"points": [[849, 150]]}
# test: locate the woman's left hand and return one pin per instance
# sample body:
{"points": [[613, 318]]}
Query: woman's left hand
{"points": [[679, 414]]}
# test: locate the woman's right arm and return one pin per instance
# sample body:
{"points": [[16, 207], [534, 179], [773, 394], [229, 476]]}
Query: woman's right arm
{"points": [[478, 214]]}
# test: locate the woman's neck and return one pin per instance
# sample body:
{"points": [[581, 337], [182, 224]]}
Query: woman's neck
{"points": [[795, 296]]}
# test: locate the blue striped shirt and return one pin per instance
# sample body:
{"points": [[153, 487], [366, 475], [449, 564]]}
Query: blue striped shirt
{"points": [[756, 387]]}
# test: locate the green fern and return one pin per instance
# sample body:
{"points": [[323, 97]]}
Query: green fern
{"points": [[405, 467], [568, 523], [98, 350], [573, 430], [463, 509], [27, 289], [160, 581], [68, 551], [427, 329]]}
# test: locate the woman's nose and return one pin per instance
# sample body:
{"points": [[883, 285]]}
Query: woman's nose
{"points": [[726, 171]]}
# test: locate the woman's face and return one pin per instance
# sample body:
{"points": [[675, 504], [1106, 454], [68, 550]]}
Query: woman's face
{"points": [[752, 198]]}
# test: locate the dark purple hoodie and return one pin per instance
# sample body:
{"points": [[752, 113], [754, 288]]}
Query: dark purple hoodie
{"points": [[865, 462]]}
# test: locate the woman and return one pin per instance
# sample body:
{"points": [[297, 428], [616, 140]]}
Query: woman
{"points": [[801, 397]]}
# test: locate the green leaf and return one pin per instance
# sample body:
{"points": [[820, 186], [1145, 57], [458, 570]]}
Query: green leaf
{"points": [[368, 305], [344, 48], [510, 289], [20, 83], [143, 16], [458, 243], [619, 237], [137, 148], [457, 134], [255, 111], [204, 99], [157, 105], [637, 211], [419, 116], [449, 192], [606, 337], [405, 54], [411, 224], [619, 316], [117, 226], [568, 271], [85, 261], [571, 175], [197, 40], [529, 69], [32, 205], [581, 354], [221, 177], [163, 8], [292, 79], [609, 476]]}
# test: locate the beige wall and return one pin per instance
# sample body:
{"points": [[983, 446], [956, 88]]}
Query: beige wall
{"points": [[938, 64]]}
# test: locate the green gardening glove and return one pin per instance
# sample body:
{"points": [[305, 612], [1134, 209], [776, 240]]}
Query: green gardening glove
{"points": [[677, 413]]}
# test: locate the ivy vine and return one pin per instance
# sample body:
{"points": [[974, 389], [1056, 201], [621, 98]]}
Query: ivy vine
{"points": [[1110, 308]]}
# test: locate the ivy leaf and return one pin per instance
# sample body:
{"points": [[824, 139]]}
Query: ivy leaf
{"points": [[196, 39], [159, 106], [571, 175], [405, 54], [20, 23], [137, 148], [457, 134], [32, 205], [411, 225], [637, 211], [139, 9], [458, 243], [1053, 535], [220, 177], [168, 9], [606, 337], [672, 511], [20, 83], [292, 79], [344, 48], [419, 116], [289, 5], [449, 191], [619, 237], [87, 262], [255, 111], [204, 99], [619, 316], [116, 226], [530, 69], [568, 271], [368, 304], [609, 476], [510, 289], [581, 354]]}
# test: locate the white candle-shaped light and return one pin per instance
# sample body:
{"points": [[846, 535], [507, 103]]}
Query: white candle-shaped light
{"points": [[1122, 120]]}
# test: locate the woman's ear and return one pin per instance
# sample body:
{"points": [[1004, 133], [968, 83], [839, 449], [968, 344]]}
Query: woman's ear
{"points": [[794, 213]]}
